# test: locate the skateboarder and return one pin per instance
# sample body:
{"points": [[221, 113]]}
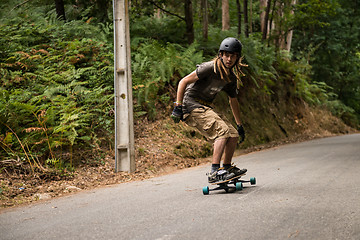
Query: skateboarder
{"points": [[195, 95]]}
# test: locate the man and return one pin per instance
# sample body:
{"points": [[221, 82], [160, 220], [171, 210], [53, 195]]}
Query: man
{"points": [[195, 94]]}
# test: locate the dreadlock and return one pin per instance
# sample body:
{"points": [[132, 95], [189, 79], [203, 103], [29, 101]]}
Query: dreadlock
{"points": [[225, 72]]}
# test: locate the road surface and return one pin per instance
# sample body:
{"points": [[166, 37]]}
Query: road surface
{"points": [[308, 190]]}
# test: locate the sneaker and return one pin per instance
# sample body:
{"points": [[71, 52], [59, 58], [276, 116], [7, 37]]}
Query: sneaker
{"points": [[220, 175], [236, 171]]}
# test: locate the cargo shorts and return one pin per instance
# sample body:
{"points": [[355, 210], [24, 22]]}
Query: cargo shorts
{"points": [[211, 124]]}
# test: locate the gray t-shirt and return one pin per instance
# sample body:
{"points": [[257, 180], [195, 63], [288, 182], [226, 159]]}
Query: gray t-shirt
{"points": [[203, 91]]}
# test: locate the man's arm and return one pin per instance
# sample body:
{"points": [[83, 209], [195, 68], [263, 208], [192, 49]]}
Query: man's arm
{"points": [[235, 107], [191, 78], [177, 113]]}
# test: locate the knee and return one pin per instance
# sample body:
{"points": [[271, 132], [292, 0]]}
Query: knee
{"points": [[232, 139]]}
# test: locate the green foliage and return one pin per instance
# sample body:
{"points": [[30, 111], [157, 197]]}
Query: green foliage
{"points": [[55, 90], [313, 13], [59, 165], [164, 30], [335, 60], [156, 67], [261, 61]]}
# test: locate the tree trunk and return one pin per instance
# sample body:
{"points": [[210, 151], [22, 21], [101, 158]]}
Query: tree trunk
{"points": [[60, 9], [189, 21], [157, 13], [279, 33], [225, 15], [246, 20], [250, 17], [205, 23], [102, 7], [239, 17], [289, 40], [264, 33], [263, 4], [290, 33], [271, 24]]}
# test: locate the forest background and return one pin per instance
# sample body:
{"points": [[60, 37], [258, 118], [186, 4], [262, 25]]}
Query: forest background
{"points": [[56, 89]]}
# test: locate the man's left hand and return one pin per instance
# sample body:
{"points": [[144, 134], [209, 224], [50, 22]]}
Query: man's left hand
{"points": [[241, 132]]}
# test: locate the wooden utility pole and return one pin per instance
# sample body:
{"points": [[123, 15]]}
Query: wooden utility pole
{"points": [[124, 121]]}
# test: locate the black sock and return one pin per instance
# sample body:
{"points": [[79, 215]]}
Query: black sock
{"points": [[215, 167], [226, 166]]}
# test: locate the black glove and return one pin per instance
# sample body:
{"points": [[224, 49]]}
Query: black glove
{"points": [[177, 114], [241, 133]]}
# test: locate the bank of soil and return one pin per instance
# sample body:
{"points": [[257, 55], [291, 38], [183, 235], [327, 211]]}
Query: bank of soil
{"points": [[161, 147]]}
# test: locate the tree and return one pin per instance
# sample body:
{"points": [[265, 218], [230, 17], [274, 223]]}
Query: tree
{"points": [[289, 35], [266, 19], [246, 19], [328, 31], [263, 8], [225, 15], [101, 10], [282, 23], [60, 9], [238, 6], [251, 17], [189, 21], [205, 19]]}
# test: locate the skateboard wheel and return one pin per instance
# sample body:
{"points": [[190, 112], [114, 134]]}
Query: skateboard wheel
{"points": [[253, 181], [205, 190], [239, 186]]}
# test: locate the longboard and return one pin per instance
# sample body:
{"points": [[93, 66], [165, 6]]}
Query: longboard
{"points": [[238, 184]]}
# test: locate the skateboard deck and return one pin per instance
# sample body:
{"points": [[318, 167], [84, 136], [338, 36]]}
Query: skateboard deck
{"points": [[225, 185]]}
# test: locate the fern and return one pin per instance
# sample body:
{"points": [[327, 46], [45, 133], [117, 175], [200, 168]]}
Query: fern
{"points": [[155, 66], [55, 91]]}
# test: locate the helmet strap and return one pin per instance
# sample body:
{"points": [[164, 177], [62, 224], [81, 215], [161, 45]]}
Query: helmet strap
{"points": [[220, 56]]}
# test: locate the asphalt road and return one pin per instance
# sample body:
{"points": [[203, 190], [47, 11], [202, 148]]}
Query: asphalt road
{"points": [[309, 190]]}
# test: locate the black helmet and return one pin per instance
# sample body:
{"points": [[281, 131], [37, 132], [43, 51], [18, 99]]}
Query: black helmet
{"points": [[231, 44]]}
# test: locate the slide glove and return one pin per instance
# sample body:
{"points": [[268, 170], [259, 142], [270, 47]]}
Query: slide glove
{"points": [[177, 114], [241, 132]]}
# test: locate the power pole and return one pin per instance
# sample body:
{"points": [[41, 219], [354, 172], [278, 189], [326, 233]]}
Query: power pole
{"points": [[124, 121]]}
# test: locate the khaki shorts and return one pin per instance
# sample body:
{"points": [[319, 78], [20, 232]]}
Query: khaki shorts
{"points": [[210, 124]]}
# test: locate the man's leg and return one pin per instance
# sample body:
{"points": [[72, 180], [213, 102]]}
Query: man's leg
{"points": [[230, 149], [229, 153], [219, 146]]}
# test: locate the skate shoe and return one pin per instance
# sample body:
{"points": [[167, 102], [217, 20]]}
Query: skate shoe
{"points": [[220, 175], [236, 171]]}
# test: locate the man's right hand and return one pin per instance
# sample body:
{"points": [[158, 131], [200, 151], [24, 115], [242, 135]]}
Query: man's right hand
{"points": [[177, 114]]}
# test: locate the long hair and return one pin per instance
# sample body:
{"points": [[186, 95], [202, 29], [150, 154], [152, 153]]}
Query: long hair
{"points": [[225, 72]]}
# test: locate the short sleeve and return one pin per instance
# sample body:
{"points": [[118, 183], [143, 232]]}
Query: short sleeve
{"points": [[204, 70]]}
